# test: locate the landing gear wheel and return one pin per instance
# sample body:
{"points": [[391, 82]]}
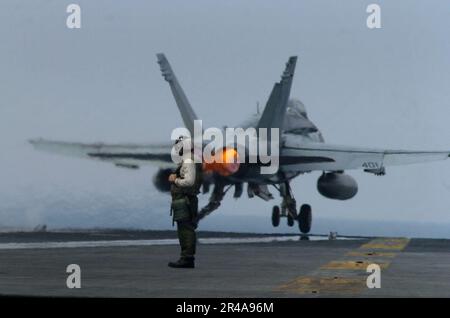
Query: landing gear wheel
{"points": [[305, 218], [276, 215], [290, 220]]}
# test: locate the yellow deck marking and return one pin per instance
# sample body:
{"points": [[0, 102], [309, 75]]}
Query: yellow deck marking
{"points": [[324, 285], [371, 254], [387, 244], [358, 265], [327, 279]]}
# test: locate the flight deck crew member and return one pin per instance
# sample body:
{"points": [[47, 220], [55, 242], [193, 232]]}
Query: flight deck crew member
{"points": [[185, 186]]}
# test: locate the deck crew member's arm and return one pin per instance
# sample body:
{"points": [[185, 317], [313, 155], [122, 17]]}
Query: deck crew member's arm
{"points": [[187, 174]]}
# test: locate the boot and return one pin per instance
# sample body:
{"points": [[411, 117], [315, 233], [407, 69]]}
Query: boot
{"points": [[184, 262]]}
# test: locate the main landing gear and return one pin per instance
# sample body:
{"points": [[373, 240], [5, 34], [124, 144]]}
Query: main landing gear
{"points": [[289, 210]]}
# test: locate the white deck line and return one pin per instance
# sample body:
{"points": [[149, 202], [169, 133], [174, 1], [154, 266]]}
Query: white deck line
{"points": [[119, 243]]}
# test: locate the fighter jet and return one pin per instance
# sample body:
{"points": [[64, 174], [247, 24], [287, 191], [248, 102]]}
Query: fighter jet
{"points": [[302, 149]]}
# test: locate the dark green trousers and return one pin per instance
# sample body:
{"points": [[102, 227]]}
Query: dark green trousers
{"points": [[186, 228], [187, 238]]}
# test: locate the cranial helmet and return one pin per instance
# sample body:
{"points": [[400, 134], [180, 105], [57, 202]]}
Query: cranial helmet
{"points": [[181, 143]]}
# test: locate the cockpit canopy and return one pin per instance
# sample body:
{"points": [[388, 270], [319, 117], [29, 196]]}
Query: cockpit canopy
{"points": [[296, 120]]}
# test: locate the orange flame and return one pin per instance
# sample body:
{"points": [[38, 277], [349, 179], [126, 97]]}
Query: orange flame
{"points": [[225, 163]]}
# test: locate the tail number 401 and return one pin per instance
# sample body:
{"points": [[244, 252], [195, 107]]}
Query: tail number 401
{"points": [[370, 165]]}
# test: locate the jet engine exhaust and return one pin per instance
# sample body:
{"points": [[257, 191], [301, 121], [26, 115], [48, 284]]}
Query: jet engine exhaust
{"points": [[161, 180], [225, 162]]}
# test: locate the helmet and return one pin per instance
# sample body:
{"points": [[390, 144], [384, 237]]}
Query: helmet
{"points": [[181, 143]]}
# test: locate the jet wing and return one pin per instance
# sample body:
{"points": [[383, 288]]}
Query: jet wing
{"points": [[335, 158], [122, 155]]}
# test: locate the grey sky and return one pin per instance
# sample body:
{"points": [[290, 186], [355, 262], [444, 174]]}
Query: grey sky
{"points": [[385, 88]]}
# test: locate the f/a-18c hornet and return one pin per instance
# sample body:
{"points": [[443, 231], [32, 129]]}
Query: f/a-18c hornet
{"points": [[301, 149]]}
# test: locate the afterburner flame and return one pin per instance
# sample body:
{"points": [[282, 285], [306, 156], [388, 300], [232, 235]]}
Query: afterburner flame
{"points": [[226, 162]]}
